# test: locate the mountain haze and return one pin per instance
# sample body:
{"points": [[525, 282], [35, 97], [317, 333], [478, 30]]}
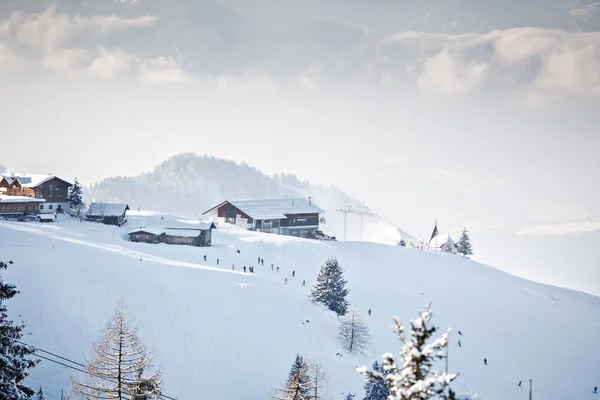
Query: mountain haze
{"points": [[188, 184]]}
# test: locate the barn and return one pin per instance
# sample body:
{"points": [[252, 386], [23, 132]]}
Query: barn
{"points": [[108, 213], [200, 235]]}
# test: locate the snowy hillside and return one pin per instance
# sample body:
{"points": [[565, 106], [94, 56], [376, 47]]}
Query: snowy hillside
{"points": [[223, 334], [188, 185]]}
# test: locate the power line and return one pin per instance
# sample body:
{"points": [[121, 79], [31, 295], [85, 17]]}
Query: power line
{"points": [[37, 349]]}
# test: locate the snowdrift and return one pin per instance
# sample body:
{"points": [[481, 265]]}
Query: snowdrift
{"points": [[221, 334]]}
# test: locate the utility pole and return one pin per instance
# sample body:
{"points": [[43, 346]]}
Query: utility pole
{"points": [[345, 210], [360, 210], [530, 389]]}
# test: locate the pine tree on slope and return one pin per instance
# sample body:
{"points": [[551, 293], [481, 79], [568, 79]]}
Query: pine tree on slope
{"points": [[330, 287], [354, 332], [75, 197], [412, 377], [118, 368], [448, 246], [376, 389], [298, 384], [40, 394], [464, 244], [14, 361], [318, 377]]}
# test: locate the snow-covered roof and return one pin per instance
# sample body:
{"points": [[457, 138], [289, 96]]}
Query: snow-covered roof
{"points": [[18, 199], [183, 232], [273, 208], [107, 209], [153, 231], [31, 180]]}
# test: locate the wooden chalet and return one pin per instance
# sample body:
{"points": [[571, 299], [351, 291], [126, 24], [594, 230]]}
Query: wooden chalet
{"points": [[200, 235], [52, 189], [291, 216], [19, 206], [108, 213]]}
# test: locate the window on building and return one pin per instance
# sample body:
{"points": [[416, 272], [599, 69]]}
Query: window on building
{"points": [[50, 186], [41, 206], [50, 207]]}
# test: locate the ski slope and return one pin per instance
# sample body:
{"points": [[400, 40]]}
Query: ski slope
{"points": [[223, 334]]}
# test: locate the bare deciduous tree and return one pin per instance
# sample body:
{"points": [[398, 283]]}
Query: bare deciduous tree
{"points": [[354, 332], [318, 378], [118, 369]]}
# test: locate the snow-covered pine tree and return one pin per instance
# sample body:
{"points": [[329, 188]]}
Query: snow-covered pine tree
{"points": [[118, 369], [14, 356], [330, 287], [412, 377], [75, 197], [376, 389], [449, 246], [40, 394], [350, 396], [464, 244], [354, 332], [298, 384]]}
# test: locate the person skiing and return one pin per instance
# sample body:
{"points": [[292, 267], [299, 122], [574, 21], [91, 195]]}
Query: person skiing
{"points": [[252, 269], [259, 260], [286, 280], [369, 311], [520, 384], [485, 361], [303, 283], [238, 251], [262, 261], [271, 267], [293, 273], [244, 269], [277, 268], [217, 261], [205, 258], [459, 343], [596, 390], [233, 267], [459, 332]]}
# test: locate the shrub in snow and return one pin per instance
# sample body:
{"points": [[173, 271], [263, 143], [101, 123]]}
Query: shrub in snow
{"points": [[330, 287], [354, 332], [40, 394], [14, 356], [119, 366], [464, 244], [412, 377]]}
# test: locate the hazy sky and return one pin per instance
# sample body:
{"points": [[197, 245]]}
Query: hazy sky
{"points": [[496, 131]]}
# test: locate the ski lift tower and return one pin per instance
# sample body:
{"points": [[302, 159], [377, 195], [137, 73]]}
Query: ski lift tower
{"points": [[360, 210]]}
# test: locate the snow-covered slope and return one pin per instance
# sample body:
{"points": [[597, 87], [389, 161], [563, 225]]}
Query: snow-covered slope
{"points": [[222, 334]]}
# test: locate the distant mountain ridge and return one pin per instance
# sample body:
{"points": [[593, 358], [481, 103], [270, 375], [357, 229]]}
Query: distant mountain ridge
{"points": [[187, 185]]}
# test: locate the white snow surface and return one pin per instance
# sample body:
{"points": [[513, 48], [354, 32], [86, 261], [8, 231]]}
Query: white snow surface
{"points": [[221, 334]]}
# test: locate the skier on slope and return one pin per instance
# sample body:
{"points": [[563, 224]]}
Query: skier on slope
{"points": [[233, 267], [262, 261], [303, 283], [596, 390], [286, 280], [459, 343], [259, 260], [293, 273], [271, 267], [485, 361], [369, 311], [459, 332], [238, 251], [520, 384], [278, 269], [217, 261], [205, 258], [244, 269]]}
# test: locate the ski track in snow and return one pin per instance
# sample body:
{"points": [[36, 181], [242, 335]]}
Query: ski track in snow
{"points": [[122, 250]]}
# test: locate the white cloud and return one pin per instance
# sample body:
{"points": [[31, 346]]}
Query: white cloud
{"points": [[561, 229], [66, 61], [547, 61], [162, 70], [110, 64], [49, 31]]}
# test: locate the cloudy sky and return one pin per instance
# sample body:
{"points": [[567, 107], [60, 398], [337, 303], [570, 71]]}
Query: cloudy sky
{"points": [[474, 118]]}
